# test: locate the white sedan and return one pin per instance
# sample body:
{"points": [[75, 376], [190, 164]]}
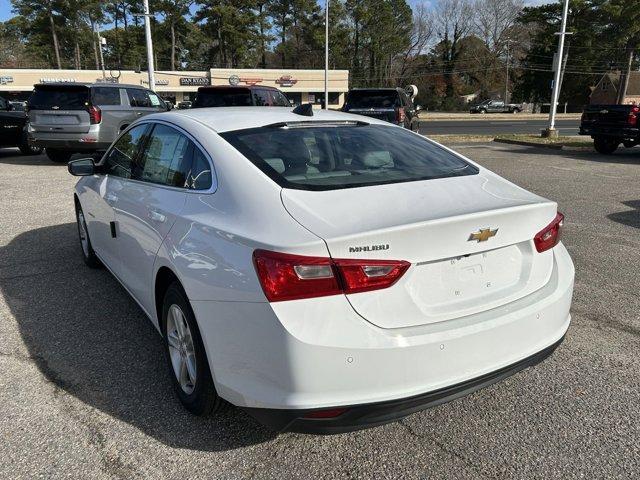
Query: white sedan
{"points": [[324, 271]]}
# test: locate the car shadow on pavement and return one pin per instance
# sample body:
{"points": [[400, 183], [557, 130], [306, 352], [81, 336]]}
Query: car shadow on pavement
{"points": [[12, 156], [628, 217], [624, 156], [92, 341]]}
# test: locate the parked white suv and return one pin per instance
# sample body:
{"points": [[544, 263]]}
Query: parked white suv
{"points": [[68, 118], [325, 272]]}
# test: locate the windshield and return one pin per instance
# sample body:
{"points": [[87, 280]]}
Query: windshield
{"points": [[372, 99], [223, 97], [54, 97], [328, 157]]}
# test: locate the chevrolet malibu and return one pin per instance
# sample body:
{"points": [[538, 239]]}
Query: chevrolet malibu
{"points": [[323, 271]]}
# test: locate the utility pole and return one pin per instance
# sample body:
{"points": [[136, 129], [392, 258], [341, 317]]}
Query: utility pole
{"points": [[551, 129], [147, 34], [104, 74], [326, 55], [506, 87]]}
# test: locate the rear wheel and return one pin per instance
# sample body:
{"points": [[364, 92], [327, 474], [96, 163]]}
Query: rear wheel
{"points": [[186, 355], [606, 145], [58, 156], [515, 110], [629, 143]]}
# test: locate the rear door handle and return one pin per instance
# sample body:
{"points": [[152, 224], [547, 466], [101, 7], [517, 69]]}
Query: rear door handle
{"points": [[156, 216]]}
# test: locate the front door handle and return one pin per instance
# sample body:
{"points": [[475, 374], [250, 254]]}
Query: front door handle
{"points": [[112, 198], [138, 113], [156, 216]]}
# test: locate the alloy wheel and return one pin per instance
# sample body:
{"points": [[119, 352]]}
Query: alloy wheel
{"points": [[181, 349]]}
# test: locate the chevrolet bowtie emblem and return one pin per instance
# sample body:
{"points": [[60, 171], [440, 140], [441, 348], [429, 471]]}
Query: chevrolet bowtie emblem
{"points": [[483, 235]]}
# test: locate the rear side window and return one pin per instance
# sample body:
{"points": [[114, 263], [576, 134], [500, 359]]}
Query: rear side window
{"points": [[138, 97], [200, 176], [165, 153], [101, 96], [261, 98], [372, 99], [59, 97], [120, 160], [223, 97], [328, 157]]}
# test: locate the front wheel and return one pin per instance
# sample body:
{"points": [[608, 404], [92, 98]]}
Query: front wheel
{"points": [[515, 110], [58, 156], [482, 112], [606, 145], [186, 355], [88, 254]]}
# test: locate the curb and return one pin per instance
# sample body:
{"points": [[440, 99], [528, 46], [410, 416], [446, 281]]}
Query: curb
{"points": [[528, 144]]}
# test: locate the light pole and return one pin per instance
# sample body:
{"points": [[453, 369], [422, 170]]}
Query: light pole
{"points": [[326, 56], [506, 85], [100, 39], [551, 130], [147, 34]]}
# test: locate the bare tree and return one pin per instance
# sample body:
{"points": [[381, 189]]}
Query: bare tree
{"points": [[421, 37], [494, 21]]}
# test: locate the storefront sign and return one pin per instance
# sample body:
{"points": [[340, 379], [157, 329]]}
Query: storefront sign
{"points": [[194, 81], [236, 80], [6, 79], [157, 82], [286, 81], [57, 80]]}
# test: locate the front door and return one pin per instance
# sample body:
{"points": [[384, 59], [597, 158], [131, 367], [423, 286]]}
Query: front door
{"points": [[103, 198]]}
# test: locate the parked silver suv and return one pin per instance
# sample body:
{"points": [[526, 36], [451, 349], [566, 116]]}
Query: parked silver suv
{"points": [[68, 118]]}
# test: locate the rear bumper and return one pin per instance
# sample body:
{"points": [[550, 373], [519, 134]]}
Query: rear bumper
{"points": [[369, 415], [598, 130], [319, 353], [77, 142]]}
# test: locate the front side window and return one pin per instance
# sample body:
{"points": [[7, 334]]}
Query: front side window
{"points": [[327, 157], [164, 157], [261, 98], [278, 99], [138, 97], [101, 96], [120, 160], [156, 101]]}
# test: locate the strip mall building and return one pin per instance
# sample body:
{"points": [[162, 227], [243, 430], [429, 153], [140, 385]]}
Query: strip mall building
{"points": [[301, 86]]}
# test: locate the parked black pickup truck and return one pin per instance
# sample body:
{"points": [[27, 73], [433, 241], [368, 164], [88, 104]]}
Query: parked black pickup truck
{"points": [[390, 104], [12, 131], [611, 125]]}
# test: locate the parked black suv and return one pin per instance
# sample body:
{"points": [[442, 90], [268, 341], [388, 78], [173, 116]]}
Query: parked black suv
{"points": [[611, 125], [13, 129], [232, 96], [391, 104]]}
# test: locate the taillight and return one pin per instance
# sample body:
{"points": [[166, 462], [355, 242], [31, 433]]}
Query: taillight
{"points": [[632, 119], [290, 277], [549, 236], [329, 413], [400, 114], [95, 115]]}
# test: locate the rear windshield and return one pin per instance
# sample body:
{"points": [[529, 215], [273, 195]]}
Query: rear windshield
{"points": [[328, 157], [48, 97], [372, 99], [223, 97]]}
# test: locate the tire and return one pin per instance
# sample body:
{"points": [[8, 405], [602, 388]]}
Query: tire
{"points": [[629, 143], [482, 112], [605, 145], [186, 356], [88, 254], [58, 156], [515, 110], [27, 148]]}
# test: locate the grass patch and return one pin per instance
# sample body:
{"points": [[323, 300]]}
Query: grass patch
{"points": [[448, 139], [538, 140]]}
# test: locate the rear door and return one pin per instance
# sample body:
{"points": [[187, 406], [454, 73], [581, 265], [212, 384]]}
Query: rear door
{"points": [[149, 206], [11, 124], [60, 108], [144, 102], [115, 109]]}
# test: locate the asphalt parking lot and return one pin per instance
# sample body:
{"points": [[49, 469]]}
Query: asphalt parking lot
{"points": [[84, 392]]}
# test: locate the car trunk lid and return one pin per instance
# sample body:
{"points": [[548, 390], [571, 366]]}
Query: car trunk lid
{"points": [[436, 225]]}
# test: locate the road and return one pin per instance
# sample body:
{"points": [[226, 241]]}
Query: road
{"points": [[84, 392], [487, 126]]}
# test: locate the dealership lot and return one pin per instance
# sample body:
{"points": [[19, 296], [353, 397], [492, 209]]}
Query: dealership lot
{"points": [[85, 391]]}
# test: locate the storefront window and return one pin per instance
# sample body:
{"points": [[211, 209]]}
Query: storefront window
{"points": [[317, 97]]}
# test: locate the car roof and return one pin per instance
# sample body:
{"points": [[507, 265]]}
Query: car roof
{"points": [[225, 119], [374, 89], [238, 87], [88, 84]]}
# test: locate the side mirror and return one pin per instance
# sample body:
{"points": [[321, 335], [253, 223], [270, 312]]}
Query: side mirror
{"points": [[82, 167]]}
